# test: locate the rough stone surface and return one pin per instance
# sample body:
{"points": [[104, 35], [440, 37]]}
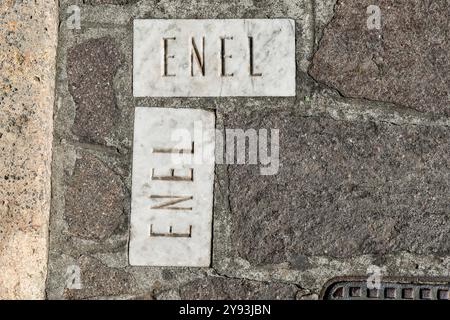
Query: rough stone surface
{"points": [[116, 2], [344, 189], [99, 280], [91, 67], [406, 62], [27, 62], [94, 199], [220, 288]]}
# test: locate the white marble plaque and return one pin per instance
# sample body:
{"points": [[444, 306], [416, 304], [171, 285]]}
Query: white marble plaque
{"points": [[172, 187], [210, 58]]}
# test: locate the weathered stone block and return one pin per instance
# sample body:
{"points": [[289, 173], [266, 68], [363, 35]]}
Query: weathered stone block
{"points": [[91, 67], [343, 189], [28, 37], [99, 280], [94, 199], [405, 62]]}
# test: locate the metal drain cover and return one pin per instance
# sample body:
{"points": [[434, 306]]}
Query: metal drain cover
{"points": [[353, 288]]}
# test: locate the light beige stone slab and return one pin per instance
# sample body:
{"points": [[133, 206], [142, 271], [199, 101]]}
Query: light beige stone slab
{"points": [[28, 33]]}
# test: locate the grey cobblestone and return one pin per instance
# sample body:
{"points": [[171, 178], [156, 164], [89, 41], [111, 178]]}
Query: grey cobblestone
{"points": [[91, 67], [344, 189], [94, 200]]}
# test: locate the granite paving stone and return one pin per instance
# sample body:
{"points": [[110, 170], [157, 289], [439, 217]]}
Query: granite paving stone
{"points": [[91, 67], [221, 288], [28, 37], [405, 62], [94, 199], [343, 189]]}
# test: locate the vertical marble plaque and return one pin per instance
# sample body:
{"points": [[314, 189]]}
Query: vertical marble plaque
{"points": [[172, 187], [209, 58]]}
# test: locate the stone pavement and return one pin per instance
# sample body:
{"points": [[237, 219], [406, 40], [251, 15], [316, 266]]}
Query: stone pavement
{"points": [[364, 175]]}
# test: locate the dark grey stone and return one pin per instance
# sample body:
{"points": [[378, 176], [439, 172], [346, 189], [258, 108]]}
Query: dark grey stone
{"points": [[343, 189], [407, 62], [220, 288], [91, 67], [99, 280], [94, 199]]}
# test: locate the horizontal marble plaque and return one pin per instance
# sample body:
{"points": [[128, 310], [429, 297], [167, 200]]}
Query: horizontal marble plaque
{"points": [[172, 187], [209, 58]]}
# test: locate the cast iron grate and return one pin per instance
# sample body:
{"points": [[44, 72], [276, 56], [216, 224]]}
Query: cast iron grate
{"points": [[388, 289]]}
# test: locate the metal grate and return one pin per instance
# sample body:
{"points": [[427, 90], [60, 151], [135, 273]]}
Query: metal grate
{"points": [[393, 289]]}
